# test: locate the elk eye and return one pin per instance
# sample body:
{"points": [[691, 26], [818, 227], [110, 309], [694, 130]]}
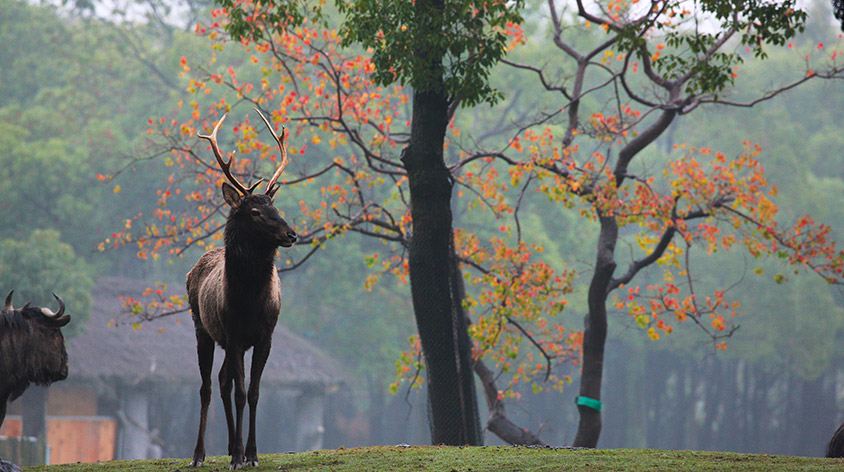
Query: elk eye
{"points": [[255, 212]]}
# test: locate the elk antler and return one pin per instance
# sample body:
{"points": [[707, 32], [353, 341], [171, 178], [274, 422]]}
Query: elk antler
{"points": [[8, 306], [272, 186], [49, 313], [226, 166]]}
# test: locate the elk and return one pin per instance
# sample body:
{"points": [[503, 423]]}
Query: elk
{"points": [[31, 349], [235, 296]]}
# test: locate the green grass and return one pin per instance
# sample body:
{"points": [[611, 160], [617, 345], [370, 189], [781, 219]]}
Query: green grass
{"points": [[476, 459]]}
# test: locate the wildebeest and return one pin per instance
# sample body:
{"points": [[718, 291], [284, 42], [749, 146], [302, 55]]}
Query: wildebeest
{"points": [[235, 297], [836, 444], [31, 349]]}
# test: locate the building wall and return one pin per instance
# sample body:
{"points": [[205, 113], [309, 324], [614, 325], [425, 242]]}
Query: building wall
{"points": [[75, 432]]}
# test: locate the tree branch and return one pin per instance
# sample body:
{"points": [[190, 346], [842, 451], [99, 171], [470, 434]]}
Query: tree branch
{"points": [[498, 422]]}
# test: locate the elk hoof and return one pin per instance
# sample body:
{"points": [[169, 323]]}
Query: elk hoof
{"points": [[198, 457], [252, 463], [237, 463]]}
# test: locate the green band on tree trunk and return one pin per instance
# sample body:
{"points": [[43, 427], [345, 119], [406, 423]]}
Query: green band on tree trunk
{"points": [[588, 403]]}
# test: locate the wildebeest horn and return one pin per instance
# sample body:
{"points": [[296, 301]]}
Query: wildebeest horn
{"points": [[9, 306], [49, 313]]}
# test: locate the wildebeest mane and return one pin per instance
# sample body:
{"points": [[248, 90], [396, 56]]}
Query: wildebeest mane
{"points": [[14, 320]]}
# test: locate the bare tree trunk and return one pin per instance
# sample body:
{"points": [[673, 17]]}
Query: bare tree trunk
{"points": [[498, 422]]}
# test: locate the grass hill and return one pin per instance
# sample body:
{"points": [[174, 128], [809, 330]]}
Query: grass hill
{"points": [[478, 459]]}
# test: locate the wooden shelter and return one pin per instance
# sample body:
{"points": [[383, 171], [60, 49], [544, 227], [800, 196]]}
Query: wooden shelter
{"points": [[132, 392]]}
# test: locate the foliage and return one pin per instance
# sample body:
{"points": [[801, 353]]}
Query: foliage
{"points": [[791, 327], [698, 53], [65, 117], [472, 37], [611, 117], [40, 265]]}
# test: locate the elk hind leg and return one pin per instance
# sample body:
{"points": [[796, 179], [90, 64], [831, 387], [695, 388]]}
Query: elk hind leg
{"points": [[236, 368], [259, 360], [205, 352], [226, 383]]}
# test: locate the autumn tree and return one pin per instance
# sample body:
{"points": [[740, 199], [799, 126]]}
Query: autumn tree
{"points": [[381, 170], [649, 64]]}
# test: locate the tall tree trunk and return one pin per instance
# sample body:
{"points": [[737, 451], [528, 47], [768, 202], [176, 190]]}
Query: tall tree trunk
{"points": [[595, 335], [469, 397], [595, 329], [453, 404]]}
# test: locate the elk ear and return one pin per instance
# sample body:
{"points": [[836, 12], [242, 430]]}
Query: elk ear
{"points": [[231, 195]]}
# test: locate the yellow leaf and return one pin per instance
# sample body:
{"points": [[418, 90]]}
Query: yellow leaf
{"points": [[117, 189], [653, 334]]}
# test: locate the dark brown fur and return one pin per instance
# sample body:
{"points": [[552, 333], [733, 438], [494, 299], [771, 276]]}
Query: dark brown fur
{"points": [[836, 444], [235, 297], [31, 351]]}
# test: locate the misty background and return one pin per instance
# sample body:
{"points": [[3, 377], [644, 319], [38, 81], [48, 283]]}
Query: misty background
{"points": [[78, 84]]}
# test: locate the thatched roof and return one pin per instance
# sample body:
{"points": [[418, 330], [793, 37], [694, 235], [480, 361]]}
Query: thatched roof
{"points": [[165, 350]]}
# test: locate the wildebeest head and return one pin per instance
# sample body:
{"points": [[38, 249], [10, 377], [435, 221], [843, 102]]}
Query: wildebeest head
{"points": [[32, 343]]}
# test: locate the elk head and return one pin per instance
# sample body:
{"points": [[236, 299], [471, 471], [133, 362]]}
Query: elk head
{"points": [[50, 364], [255, 211]]}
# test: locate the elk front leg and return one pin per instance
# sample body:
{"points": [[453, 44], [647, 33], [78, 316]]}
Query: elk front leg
{"points": [[205, 351], [239, 404], [226, 394], [259, 360]]}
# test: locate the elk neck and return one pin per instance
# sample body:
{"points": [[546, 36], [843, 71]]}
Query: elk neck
{"points": [[249, 260]]}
